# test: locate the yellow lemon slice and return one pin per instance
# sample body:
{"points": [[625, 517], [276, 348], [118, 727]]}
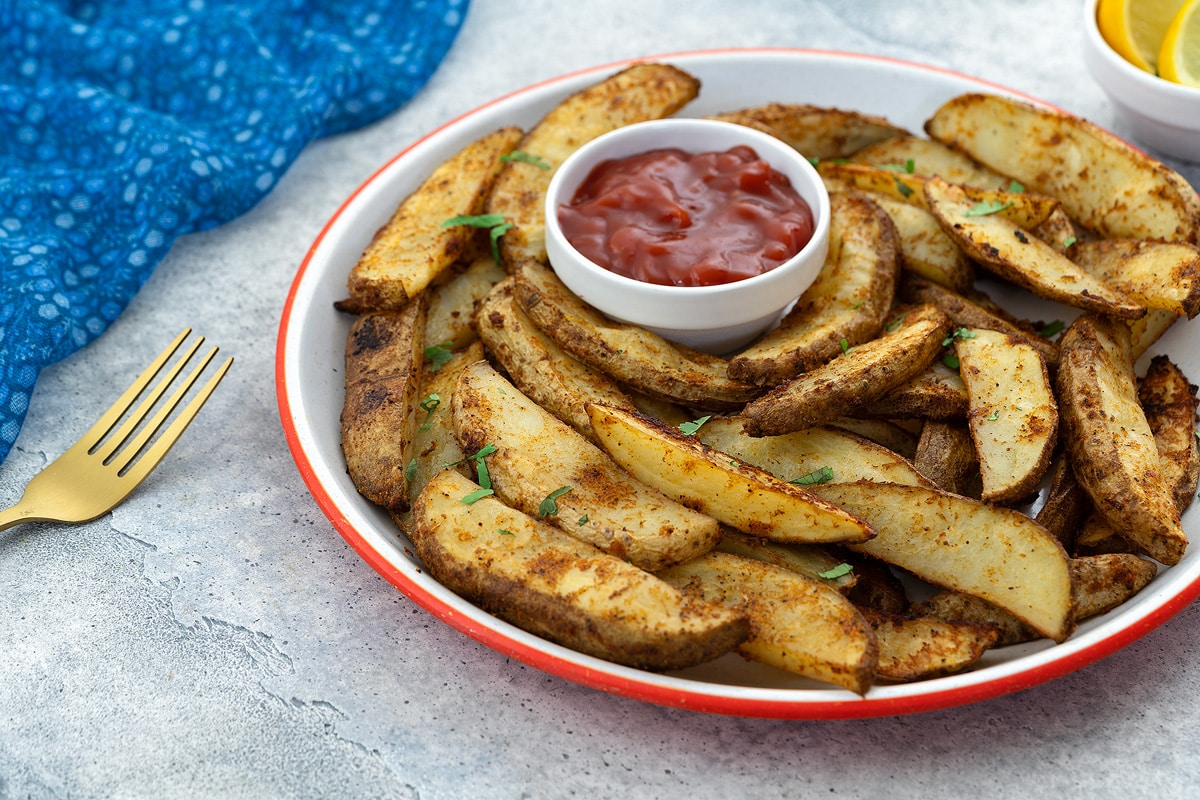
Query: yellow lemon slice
{"points": [[1136, 28], [1179, 58]]}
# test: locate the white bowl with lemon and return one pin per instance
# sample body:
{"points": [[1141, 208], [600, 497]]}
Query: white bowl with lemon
{"points": [[1145, 54]]}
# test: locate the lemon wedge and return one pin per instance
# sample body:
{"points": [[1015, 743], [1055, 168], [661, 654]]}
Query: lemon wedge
{"points": [[1179, 58], [1136, 28]]}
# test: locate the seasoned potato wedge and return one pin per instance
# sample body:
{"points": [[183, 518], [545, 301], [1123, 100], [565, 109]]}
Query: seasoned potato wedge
{"points": [[635, 94], [797, 623], [845, 306], [815, 561], [738, 494], [1113, 452], [544, 468], [882, 432], [1013, 415], [1163, 275], [917, 648], [970, 312], [937, 393], [946, 456], [384, 353], [816, 131], [1169, 402], [1132, 197], [1149, 329], [539, 367], [925, 249], [995, 553], [860, 376], [540, 579], [1064, 504], [631, 355], [929, 157], [813, 455], [1019, 256], [452, 305], [413, 248]]}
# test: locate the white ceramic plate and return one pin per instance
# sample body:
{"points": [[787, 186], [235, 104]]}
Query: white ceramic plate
{"points": [[309, 380]]}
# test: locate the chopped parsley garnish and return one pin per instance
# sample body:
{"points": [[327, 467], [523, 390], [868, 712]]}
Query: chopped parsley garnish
{"points": [[691, 427], [410, 472], [904, 189], [429, 405], [583, 520], [481, 470], [959, 333], [495, 223], [503, 532], [836, 572], [845, 345], [951, 360], [438, 355], [478, 494], [1016, 187], [521, 155], [894, 325], [1052, 328], [549, 507], [995, 415], [816, 477], [909, 166], [985, 207], [1070, 240]]}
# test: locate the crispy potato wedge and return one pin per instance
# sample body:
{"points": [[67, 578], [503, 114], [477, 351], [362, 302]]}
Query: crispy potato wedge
{"points": [[815, 561], [629, 354], [1169, 402], [925, 249], [928, 157], [1163, 275], [954, 606], [860, 376], [918, 648], [813, 455], [887, 433], [1144, 332], [540, 368], [1133, 197], [537, 457], [452, 305], [937, 393], [816, 131], [413, 248], [635, 94], [1012, 413], [538, 578], [946, 456], [384, 354], [973, 312], [1065, 503], [845, 306], [797, 623], [1113, 452], [995, 553], [1019, 256], [738, 494], [1103, 582]]}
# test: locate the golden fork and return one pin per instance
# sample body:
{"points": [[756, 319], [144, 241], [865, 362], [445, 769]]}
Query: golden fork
{"points": [[103, 467]]}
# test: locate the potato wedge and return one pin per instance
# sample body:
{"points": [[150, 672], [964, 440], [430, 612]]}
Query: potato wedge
{"points": [[1113, 452], [1103, 582], [1012, 413], [384, 353], [452, 305], [1133, 197], [937, 393], [918, 648], [946, 456], [954, 606], [1163, 275], [1019, 256], [887, 433], [845, 306], [1169, 402], [928, 157], [1144, 332], [973, 312], [539, 367], [925, 249], [995, 553], [1065, 503], [816, 131], [635, 94], [413, 248], [629, 354], [813, 455], [738, 494], [544, 468], [815, 561], [862, 375], [542, 580], [797, 623]]}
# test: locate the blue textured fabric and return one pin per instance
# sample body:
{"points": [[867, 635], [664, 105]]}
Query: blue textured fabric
{"points": [[125, 124]]}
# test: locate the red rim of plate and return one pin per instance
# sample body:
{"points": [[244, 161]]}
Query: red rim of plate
{"points": [[633, 687]]}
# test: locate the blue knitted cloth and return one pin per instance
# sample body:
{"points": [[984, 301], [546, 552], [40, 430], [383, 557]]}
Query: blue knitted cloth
{"points": [[127, 123]]}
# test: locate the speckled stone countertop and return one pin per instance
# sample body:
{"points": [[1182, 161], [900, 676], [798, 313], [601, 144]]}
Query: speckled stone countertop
{"points": [[215, 637]]}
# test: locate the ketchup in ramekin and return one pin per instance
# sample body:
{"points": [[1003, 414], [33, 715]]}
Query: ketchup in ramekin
{"points": [[670, 217]]}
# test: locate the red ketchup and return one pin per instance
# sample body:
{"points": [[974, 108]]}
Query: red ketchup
{"points": [[676, 218]]}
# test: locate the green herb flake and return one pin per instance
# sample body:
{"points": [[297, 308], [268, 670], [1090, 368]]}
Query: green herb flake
{"points": [[816, 477], [429, 405], [503, 532], [836, 572], [583, 520], [690, 428], [494, 235], [857, 305], [995, 415], [475, 220], [549, 507], [1052, 328], [438, 355], [950, 360], [526, 158], [1015, 187], [959, 333], [478, 494], [894, 325], [1070, 240], [410, 472], [986, 207], [845, 345], [904, 189]]}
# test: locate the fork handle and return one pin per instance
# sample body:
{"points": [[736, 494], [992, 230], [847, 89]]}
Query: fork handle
{"points": [[15, 515]]}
